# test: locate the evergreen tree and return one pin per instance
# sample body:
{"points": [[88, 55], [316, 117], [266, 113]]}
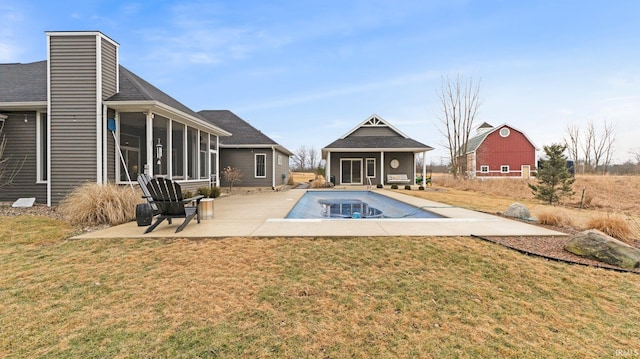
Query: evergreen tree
{"points": [[554, 179]]}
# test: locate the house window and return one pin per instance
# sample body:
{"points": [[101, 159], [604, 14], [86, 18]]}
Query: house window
{"points": [[484, 169], [42, 147], [371, 168], [177, 150], [160, 144], [261, 165], [130, 148], [279, 160], [192, 153], [204, 155], [504, 169]]}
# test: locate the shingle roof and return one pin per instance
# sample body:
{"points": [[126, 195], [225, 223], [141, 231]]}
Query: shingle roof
{"points": [[242, 133], [23, 82], [398, 141], [380, 142], [134, 88]]}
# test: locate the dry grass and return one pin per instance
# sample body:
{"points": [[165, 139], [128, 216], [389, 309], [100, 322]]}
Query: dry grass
{"points": [[602, 195], [613, 225], [554, 217], [302, 297], [302, 177], [95, 204]]}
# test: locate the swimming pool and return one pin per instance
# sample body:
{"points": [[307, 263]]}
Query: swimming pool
{"points": [[338, 204]]}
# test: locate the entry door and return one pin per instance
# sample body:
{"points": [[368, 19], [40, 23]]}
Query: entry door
{"points": [[526, 171], [351, 171]]}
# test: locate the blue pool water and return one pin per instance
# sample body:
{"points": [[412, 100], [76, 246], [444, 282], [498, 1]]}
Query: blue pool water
{"points": [[354, 204]]}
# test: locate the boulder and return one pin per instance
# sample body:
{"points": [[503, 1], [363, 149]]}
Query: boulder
{"points": [[518, 210], [601, 247]]}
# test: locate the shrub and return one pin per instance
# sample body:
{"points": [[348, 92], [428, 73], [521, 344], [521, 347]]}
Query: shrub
{"points": [[379, 185], [215, 191], [615, 226], [95, 204], [394, 186], [407, 187], [187, 194], [205, 191], [421, 188], [554, 217]]}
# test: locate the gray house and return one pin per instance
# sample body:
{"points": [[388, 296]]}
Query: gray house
{"points": [[374, 152], [81, 117], [263, 162]]}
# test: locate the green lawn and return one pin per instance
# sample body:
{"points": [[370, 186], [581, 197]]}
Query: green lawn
{"points": [[301, 297]]}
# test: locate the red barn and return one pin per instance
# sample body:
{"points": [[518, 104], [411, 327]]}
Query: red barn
{"points": [[501, 151]]}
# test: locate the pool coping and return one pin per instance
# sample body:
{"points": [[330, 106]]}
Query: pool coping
{"points": [[262, 215]]}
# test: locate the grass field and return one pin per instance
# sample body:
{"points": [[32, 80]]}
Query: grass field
{"points": [[309, 297]]}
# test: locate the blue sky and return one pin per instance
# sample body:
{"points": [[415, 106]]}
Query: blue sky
{"points": [[306, 72]]}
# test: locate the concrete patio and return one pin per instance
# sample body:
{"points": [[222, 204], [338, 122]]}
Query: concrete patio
{"points": [[262, 215]]}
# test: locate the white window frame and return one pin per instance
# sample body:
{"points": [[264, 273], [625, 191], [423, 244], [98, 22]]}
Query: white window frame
{"points": [[504, 169], [484, 169], [366, 167], [41, 139], [255, 165]]}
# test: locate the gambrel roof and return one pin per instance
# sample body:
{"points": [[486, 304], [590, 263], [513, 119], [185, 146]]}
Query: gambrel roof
{"points": [[485, 130], [375, 134], [243, 134]]}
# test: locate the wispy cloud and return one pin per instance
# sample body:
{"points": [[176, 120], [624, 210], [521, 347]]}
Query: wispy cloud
{"points": [[290, 100]]}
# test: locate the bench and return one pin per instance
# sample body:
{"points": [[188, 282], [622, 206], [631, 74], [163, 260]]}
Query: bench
{"points": [[398, 179]]}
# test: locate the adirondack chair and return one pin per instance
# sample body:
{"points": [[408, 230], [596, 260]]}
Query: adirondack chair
{"points": [[143, 180], [167, 196]]}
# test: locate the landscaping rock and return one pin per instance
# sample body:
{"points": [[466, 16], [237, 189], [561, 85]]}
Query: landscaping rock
{"points": [[518, 210], [601, 247]]}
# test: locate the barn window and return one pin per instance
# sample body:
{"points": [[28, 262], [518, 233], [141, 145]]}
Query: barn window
{"points": [[504, 132], [504, 169], [484, 169]]}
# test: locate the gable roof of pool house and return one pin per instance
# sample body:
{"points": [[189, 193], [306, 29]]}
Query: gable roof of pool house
{"points": [[60, 113], [371, 150]]}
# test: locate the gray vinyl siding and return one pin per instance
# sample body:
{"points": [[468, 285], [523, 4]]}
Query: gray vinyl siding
{"points": [[406, 160], [244, 159], [282, 169], [109, 69], [373, 131], [21, 146], [73, 77]]}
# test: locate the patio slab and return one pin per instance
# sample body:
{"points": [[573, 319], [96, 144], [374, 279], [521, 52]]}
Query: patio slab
{"points": [[262, 215]]}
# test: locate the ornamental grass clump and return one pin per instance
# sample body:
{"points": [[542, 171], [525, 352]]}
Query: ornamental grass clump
{"points": [[554, 217], [94, 204], [613, 225]]}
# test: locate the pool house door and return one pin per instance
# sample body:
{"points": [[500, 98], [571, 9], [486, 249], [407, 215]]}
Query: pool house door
{"points": [[351, 171]]}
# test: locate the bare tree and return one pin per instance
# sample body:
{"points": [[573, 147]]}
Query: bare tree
{"points": [[305, 159], [232, 176], [572, 141], [299, 159], [636, 155], [459, 101], [587, 146], [602, 146]]}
